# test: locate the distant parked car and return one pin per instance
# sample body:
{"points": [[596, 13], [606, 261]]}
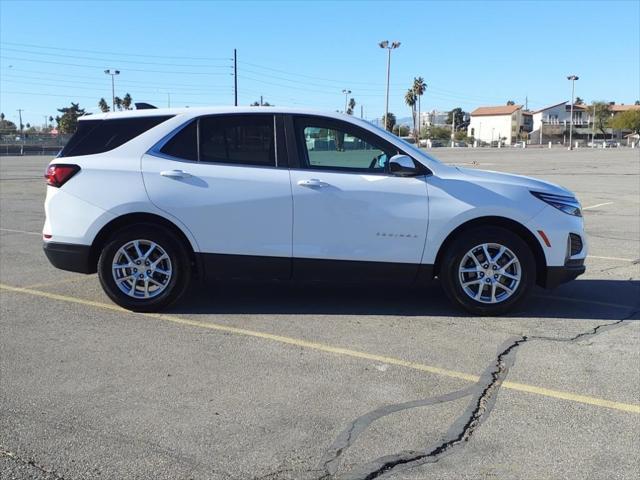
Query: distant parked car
{"points": [[152, 199], [610, 144]]}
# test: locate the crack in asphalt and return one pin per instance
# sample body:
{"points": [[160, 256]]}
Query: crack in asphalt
{"points": [[484, 397], [29, 462]]}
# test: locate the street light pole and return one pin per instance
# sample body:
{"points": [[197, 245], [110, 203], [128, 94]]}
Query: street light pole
{"points": [[573, 79], [346, 92], [394, 45], [113, 73]]}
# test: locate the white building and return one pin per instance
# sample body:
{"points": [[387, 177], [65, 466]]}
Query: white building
{"points": [[490, 124], [433, 118]]}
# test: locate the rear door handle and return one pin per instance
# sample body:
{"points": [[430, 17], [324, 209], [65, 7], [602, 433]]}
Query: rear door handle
{"points": [[312, 182], [175, 174]]}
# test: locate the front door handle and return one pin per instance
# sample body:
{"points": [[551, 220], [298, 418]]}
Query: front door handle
{"points": [[175, 174], [312, 182]]}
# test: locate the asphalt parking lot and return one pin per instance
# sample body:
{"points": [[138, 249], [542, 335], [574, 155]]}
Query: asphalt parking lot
{"points": [[264, 382]]}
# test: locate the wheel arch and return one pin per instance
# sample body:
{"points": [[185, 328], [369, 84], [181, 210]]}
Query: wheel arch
{"points": [[495, 221], [138, 218]]}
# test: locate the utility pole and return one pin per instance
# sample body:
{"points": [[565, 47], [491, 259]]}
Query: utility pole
{"points": [[526, 103], [394, 45], [20, 110], [361, 111], [235, 77], [573, 79], [261, 102], [113, 73], [453, 128], [593, 127], [46, 121]]}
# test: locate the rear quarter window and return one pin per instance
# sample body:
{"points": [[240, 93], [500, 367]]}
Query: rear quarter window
{"points": [[98, 136]]}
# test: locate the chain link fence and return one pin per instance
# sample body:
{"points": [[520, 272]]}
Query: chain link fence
{"points": [[32, 143]]}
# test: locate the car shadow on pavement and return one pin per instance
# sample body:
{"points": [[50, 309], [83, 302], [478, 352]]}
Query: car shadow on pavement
{"points": [[580, 299]]}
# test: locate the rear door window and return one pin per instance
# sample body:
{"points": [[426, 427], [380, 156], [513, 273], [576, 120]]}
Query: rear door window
{"points": [[98, 136], [238, 139], [183, 144]]}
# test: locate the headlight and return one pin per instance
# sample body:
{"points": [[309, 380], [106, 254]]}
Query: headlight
{"points": [[567, 204]]}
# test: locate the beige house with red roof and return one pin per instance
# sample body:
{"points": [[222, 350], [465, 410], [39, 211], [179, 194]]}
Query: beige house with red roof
{"points": [[490, 124]]}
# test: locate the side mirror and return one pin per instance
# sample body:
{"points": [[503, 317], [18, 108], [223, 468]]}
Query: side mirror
{"points": [[403, 166]]}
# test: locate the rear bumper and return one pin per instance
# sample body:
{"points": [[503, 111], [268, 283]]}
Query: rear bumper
{"points": [[558, 275], [67, 256]]}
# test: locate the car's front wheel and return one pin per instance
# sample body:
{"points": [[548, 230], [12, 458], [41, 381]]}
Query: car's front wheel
{"points": [[144, 268], [488, 270]]}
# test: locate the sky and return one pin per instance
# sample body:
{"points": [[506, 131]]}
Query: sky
{"points": [[304, 54]]}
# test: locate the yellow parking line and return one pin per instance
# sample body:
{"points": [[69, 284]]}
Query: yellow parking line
{"points": [[598, 205], [584, 399], [611, 258], [57, 282], [20, 231]]}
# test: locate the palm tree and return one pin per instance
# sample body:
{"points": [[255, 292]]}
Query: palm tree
{"points": [[118, 103], [419, 87], [410, 98], [127, 101], [391, 121], [103, 106]]}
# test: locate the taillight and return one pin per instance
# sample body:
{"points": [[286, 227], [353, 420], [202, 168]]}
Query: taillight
{"points": [[59, 174]]}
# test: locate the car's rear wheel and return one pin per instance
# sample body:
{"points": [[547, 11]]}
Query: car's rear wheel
{"points": [[144, 268], [488, 270]]}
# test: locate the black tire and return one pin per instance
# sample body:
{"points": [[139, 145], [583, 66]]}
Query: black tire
{"points": [[177, 284], [466, 241]]}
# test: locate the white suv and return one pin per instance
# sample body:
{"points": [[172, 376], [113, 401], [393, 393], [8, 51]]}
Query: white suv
{"points": [[152, 198]]}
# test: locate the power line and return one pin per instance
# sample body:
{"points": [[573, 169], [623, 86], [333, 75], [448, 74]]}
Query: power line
{"points": [[87, 97], [102, 66], [95, 59], [119, 54], [120, 85], [101, 85], [99, 79]]}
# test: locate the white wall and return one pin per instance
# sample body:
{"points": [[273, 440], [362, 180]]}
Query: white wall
{"points": [[491, 127], [552, 116]]}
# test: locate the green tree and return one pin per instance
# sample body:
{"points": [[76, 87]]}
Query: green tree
{"points": [[419, 87], [602, 115], [629, 120], [458, 114], [391, 121], [637, 102], [411, 99], [579, 101], [264, 104], [103, 106], [510, 102], [68, 122], [439, 133], [351, 107], [401, 130], [127, 101], [6, 126], [118, 103]]}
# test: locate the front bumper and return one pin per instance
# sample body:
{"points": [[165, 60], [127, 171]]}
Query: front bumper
{"points": [[558, 275], [71, 257]]}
